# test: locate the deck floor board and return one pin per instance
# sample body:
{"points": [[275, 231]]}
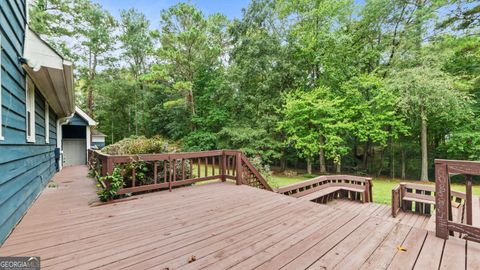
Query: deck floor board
{"points": [[224, 226]]}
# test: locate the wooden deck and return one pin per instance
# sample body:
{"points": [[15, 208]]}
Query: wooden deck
{"points": [[222, 225]]}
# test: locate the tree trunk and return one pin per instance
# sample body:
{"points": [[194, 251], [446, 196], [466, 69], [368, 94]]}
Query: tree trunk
{"points": [[192, 108], [89, 99], [92, 73], [283, 164], [424, 174], [381, 161], [339, 166], [365, 155], [321, 156], [392, 158], [404, 165], [309, 166]]}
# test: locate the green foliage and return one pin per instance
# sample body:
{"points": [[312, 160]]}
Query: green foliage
{"points": [[462, 144], [288, 81], [199, 141], [313, 115], [114, 183], [251, 141], [373, 109]]}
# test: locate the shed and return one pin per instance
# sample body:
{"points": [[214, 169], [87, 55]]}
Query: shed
{"points": [[76, 138], [98, 139]]}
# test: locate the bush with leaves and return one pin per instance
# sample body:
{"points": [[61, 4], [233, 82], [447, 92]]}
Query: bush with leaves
{"points": [[264, 170], [112, 184], [140, 145]]}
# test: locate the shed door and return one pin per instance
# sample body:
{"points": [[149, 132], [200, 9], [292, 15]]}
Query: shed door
{"points": [[74, 152]]}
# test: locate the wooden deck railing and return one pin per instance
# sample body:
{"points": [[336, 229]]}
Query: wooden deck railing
{"points": [[444, 224], [419, 199], [331, 187], [160, 171]]}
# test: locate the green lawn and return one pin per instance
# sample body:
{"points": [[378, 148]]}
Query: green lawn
{"points": [[382, 188]]}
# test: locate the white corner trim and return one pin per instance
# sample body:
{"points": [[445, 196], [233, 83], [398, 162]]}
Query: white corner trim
{"points": [[47, 123], [30, 108], [88, 138]]}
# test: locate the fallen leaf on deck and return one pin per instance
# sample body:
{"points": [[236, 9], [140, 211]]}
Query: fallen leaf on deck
{"points": [[401, 248], [192, 259]]}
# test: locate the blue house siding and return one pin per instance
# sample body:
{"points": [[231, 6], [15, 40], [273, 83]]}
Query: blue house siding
{"points": [[25, 168]]}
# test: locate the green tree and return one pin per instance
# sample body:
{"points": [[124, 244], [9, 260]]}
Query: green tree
{"points": [[375, 118], [258, 73], [137, 45], [94, 29], [427, 95], [316, 120]]}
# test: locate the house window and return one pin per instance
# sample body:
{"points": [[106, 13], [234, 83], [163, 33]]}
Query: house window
{"points": [[47, 123], [30, 104]]}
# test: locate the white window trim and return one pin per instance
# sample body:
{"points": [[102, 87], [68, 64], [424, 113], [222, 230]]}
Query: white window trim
{"points": [[30, 107], [1, 127], [47, 122]]}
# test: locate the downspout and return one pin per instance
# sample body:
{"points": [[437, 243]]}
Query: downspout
{"points": [[60, 123]]}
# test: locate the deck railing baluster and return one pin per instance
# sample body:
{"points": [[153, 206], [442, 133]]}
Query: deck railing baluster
{"points": [[165, 171], [213, 165], [206, 166], [198, 167], [155, 172], [191, 169], [183, 169]]}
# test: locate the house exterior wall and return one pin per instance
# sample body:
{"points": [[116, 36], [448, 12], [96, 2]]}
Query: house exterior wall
{"points": [[25, 168]]}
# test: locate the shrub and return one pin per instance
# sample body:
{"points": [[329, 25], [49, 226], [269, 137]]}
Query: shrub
{"points": [[140, 145], [114, 181], [264, 170]]}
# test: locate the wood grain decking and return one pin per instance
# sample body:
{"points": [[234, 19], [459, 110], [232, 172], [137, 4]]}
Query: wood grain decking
{"points": [[224, 226]]}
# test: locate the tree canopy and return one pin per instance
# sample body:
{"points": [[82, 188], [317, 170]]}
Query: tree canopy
{"points": [[381, 87]]}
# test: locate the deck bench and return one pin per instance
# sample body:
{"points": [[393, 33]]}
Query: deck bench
{"points": [[328, 187], [419, 198]]}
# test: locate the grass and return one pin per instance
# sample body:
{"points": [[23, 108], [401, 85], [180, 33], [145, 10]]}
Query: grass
{"points": [[382, 188]]}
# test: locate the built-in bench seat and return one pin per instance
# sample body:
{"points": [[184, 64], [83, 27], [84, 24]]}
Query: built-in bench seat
{"points": [[420, 198], [325, 188]]}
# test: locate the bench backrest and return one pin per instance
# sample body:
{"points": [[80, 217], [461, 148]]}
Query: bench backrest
{"points": [[324, 181]]}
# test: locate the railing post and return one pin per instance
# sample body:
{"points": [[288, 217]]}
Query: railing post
{"points": [[239, 167], [366, 193], [104, 159], [394, 202], [109, 165], [223, 164], [402, 194], [371, 191], [442, 197], [468, 199], [170, 173]]}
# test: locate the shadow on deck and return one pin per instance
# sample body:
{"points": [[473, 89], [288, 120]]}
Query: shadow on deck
{"points": [[222, 225]]}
